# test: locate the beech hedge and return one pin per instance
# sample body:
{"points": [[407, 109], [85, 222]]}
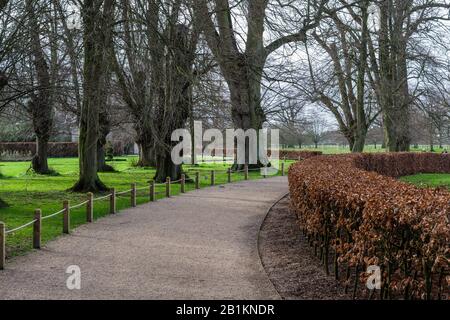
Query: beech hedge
{"points": [[298, 155], [356, 214]]}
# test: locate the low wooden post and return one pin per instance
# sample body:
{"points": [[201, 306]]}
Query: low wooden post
{"points": [[90, 207], [112, 202], [2, 245], [66, 217], [133, 195], [229, 175], [246, 171], [37, 229], [152, 194], [213, 177], [183, 183], [168, 187], [197, 180], [283, 172]]}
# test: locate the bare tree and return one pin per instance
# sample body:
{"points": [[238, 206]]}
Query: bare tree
{"points": [[98, 22], [40, 106], [243, 69]]}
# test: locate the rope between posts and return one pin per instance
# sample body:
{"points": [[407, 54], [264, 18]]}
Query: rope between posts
{"points": [[21, 227], [103, 198], [159, 184], [53, 215], [79, 205], [123, 192]]}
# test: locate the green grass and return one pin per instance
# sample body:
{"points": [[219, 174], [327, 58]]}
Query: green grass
{"points": [[25, 192], [429, 180]]}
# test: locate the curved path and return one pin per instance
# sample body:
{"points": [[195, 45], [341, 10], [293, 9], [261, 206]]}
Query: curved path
{"points": [[201, 245]]}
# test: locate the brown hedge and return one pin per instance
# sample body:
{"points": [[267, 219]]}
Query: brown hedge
{"points": [[55, 149], [353, 211], [298, 155]]}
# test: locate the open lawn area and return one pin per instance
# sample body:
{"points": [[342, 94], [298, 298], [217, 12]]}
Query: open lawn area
{"points": [[25, 192], [427, 180]]}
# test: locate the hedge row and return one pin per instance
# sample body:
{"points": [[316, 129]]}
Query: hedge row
{"points": [[283, 154], [55, 149], [356, 215], [298, 155]]}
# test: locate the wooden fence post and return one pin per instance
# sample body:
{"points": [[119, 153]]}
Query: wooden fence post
{"points": [[197, 180], [283, 172], [37, 229], [168, 187], [246, 171], [112, 201], [152, 191], [2, 245], [229, 175], [213, 177], [66, 217], [133, 195], [183, 183], [90, 207]]}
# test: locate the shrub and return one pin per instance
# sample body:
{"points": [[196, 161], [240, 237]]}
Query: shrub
{"points": [[352, 207], [298, 155]]}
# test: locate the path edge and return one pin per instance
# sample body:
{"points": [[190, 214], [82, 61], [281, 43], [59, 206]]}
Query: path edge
{"points": [[258, 241]]}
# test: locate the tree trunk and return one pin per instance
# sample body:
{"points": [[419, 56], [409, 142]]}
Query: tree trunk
{"points": [[361, 121], [147, 155], [105, 128], [395, 98], [146, 142], [95, 35], [166, 168], [39, 162], [175, 110], [245, 92], [39, 106]]}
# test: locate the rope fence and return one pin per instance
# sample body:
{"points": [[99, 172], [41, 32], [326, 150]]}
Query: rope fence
{"points": [[112, 196]]}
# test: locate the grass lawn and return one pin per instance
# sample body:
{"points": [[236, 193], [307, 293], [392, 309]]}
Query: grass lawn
{"points": [[25, 192], [429, 180]]}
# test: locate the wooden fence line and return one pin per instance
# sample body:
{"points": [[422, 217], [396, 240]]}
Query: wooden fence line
{"points": [[89, 203]]}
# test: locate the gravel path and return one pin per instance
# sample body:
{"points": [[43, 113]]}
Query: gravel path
{"points": [[201, 245]]}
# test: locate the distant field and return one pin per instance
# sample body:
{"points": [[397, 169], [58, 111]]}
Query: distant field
{"points": [[25, 192], [429, 180]]}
